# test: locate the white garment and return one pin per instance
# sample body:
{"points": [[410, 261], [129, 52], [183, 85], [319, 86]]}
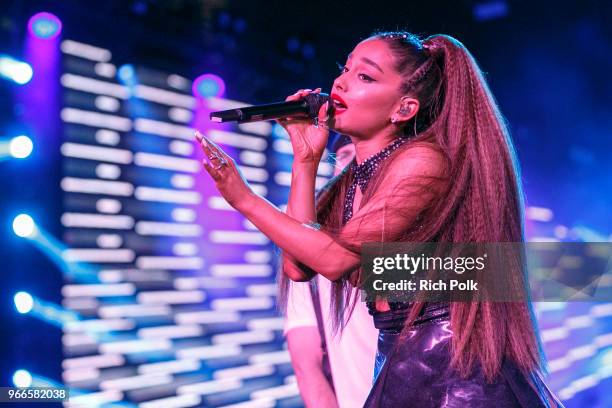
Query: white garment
{"points": [[351, 351]]}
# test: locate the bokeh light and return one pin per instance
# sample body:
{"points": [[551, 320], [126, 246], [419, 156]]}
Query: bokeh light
{"points": [[23, 225], [22, 378], [23, 302], [45, 25], [21, 147], [17, 71], [208, 85]]}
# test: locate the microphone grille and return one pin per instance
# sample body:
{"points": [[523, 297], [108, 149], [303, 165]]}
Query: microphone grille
{"points": [[315, 101]]}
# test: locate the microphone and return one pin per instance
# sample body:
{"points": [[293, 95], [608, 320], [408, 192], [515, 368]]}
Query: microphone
{"points": [[309, 106]]}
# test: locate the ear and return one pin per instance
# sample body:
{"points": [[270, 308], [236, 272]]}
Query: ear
{"points": [[406, 109]]}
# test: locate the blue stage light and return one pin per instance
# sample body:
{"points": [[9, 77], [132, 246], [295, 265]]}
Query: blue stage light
{"points": [[22, 378], [126, 73], [208, 85], [44, 25], [17, 71], [21, 147], [23, 225], [23, 302]]}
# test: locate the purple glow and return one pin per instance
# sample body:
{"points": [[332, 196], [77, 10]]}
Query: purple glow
{"points": [[44, 25], [208, 85]]}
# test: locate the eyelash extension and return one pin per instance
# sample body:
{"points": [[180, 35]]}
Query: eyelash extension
{"points": [[342, 67]]}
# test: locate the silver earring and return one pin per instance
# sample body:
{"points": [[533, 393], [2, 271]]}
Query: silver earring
{"points": [[393, 120]]}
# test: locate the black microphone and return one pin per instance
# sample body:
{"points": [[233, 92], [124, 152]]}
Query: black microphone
{"points": [[309, 105]]}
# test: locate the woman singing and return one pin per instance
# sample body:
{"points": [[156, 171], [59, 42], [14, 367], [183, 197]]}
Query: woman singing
{"points": [[434, 163]]}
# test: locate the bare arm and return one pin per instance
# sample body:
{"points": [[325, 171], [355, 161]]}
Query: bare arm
{"points": [[317, 250], [301, 206], [307, 360]]}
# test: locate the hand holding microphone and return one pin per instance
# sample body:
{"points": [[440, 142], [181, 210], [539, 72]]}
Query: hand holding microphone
{"points": [[304, 115]]}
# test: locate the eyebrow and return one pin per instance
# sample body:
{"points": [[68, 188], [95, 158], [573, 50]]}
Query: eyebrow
{"points": [[369, 62]]}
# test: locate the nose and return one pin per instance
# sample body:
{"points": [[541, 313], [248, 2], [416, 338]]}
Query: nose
{"points": [[339, 84]]}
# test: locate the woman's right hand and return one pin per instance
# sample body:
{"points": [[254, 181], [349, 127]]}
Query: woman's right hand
{"points": [[308, 141]]}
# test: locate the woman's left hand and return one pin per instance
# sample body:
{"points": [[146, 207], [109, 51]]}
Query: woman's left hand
{"points": [[227, 177]]}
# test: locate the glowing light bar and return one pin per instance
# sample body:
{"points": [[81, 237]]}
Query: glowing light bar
{"points": [[257, 403], [282, 391], [108, 171], [97, 361], [135, 346], [107, 137], [80, 374], [99, 290], [180, 115], [169, 262], [171, 297], [169, 367], [161, 161], [238, 140], [254, 173], [241, 270], [186, 400], [167, 195], [165, 129], [133, 310], [183, 215], [95, 86], [325, 169], [94, 399], [99, 325], [98, 255], [271, 323], [248, 337], [601, 310], [105, 69], [257, 256], [204, 282], [209, 352], [206, 317], [282, 146], [178, 82], [95, 119], [539, 214], [164, 97], [109, 240], [135, 382], [106, 103], [108, 205], [275, 357], [17, 71], [181, 148], [80, 303], [83, 220], [168, 229], [264, 289], [85, 51], [133, 275], [238, 237], [210, 387], [78, 339], [89, 152], [243, 372], [182, 181], [258, 128], [184, 249], [171, 332], [216, 103], [252, 158], [248, 303], [260, 189]]}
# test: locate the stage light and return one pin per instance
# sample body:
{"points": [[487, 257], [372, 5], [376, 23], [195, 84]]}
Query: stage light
{"points": [[23, 225], [17, 71], [23, 302], [126, 73], [208, 85], [45, 25], [22, 378], [21, 147]]}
